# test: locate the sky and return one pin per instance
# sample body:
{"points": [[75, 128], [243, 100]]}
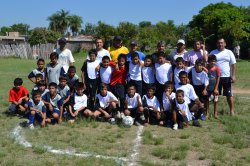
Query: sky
{"points": [[35, 13]]}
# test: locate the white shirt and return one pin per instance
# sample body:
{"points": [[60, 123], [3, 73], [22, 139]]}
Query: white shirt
{"points": [[200, 78], [152, 102], [65, 58], [189, 92], [100, 54], [225, 59], [184, 107], [162, 72], [103, 100], [166, 102], [105, 74], [177, 71], [174, 55], [148, 75], [91, 69], [135, 71], [132, 102], [80, 101]]}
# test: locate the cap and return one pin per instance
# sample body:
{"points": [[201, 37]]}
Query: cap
{"points": [[133, 43], [62, 40], [117, 38], [181, 41]]}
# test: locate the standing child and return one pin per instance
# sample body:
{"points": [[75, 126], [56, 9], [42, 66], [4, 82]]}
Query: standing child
{"points": [[39, 70], [105, 71], [54, 104], [53, 69], [72, 77], [180, 66], [148, 74], [133, 105], [18, 96], [151, 106], [39, 77], [214, 79]]}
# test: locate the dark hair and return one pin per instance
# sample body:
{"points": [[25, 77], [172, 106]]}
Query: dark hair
{"points": [[53, 84], [220, 38], [168, 84], [105, 58], [161, 43], [35, 93], [179, 59], [80, 85], [61, 78], [148, 57], [212, 58], [182, 73], [134, 54], [93, 51], [99, 38], [151, 87], [122, 56], [18, 81], [198, 40], [72, 69], [161, 54], [103, 85], [41, 83], [180, 92], [40, 60], [130, 85], [39, 75], [199, 62], [53, 55]]}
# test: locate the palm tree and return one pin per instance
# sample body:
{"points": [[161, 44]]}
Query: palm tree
{"points": [[75, 23]]}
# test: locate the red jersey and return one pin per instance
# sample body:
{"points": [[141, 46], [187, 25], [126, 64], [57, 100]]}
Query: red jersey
{"points": [[118, 75], [15, 95]]}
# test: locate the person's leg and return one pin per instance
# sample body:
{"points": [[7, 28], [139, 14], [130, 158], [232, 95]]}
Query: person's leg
{"points": [[215, 109], [230, 101], [227, 91], [12, 108], [31, 117], [146, 114], [96, 114], [87, 113], [139, 87]]}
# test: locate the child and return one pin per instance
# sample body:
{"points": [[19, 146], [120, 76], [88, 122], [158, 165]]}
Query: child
{"points": [[72, 77], [148, 74], [54, 70], [163, 72], [41, 87], [180, 111], [39, 70], [167, 98], [18, 96], [214, 79], [105, 71], [134, 68], [37, 110], [133, 105], [78, 102], [190, 97], [180, 66], [64, 91], [105, 103], [53, 103], [151, 106], [90, 76], [39, 77]]}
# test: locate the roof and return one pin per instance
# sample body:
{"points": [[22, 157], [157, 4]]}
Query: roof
{"points": [[11, 38]]}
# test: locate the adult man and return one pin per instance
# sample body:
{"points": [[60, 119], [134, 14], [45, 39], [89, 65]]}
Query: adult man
{"points": [[179, 52], [117, 48], [161, 45], [227, 64], [133, 48], [66, 58]]}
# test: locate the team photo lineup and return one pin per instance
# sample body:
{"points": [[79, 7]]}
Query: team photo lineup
{"points": [[121, 85]]}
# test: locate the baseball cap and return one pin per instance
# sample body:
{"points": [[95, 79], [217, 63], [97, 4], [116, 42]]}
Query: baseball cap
{"points": [[62, 40], [181, 41], [117, 38], [133, 43]]}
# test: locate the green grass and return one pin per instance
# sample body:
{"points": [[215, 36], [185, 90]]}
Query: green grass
{"points": [[219, 142]]}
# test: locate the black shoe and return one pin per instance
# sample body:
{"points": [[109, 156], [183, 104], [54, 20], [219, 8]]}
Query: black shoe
{"points": [[196, 123]]}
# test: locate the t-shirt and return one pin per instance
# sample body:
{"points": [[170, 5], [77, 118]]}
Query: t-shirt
{"points": [[56, 102], [115, 52], [135, 71], [132, 101], [100, 54], [15, 95], [174, 55], [35, 72], [148, 75], [162, 72], [118, 75], [64, 92], [177, 72], [80, 101], [102, 101], [39, 106], [184, 107], [166, 102], [225, 59], [54, 72], [200, 78], [72, 82], [141, 56], [65, 58], [193, 55], [44, 92], [213, 74], [189, 93], [105, 74], [90, 69], [151, 102]]}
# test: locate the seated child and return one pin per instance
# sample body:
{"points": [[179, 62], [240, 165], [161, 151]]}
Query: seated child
{"points": [[151, 106], [39, 77], [42, 87], [18, 96], [37, 110], [133, 105], [105, 103], [148, 74], [72, 77], [180, 111], [39, 70], [54, 104]]}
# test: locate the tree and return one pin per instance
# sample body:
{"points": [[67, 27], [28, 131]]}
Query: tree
{"points": [[5, 30], [105, 31], [144, 24], [23, 29], [128, 31], [75, 23], [90, 29]]}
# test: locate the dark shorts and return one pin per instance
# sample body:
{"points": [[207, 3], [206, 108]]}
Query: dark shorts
{"points": [[49, 114], [133, 112], [166, 115], [226, 85], [198, 90]]}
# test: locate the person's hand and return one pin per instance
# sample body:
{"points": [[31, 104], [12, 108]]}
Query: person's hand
{"points": [[50, 106], [233, 79], [43, 123], [216, 92], [60, 120], [183, 113], [204, 92], [201, 105], [97, 68], [203, 46]]}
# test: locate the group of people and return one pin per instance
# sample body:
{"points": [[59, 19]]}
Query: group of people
{"points": [[170, 90]]}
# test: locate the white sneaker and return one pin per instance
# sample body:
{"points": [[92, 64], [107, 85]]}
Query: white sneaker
{"points": [[175, 127], [31, 126]]}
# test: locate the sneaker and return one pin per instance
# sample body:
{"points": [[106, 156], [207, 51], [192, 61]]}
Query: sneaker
{"points": [[142, 117], [175, 126], [203, 117], [211, 98], [196, 123], [112, 121], [31, 126]]}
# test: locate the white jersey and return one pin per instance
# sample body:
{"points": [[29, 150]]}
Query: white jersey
{"points": [[184, 107], [64, 92], [65, 58], [80, 101], [100, 54], [148, 75], [225, 59], [103, 100], [91, 69], [151, 102], [135, 71], [177, 72], [132, 101], [166, 102], [105, 74], [189, 93], [163, 72], [200, 78]]}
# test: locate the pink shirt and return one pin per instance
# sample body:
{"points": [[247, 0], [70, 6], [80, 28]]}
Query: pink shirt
{"points": [[192, 56]]}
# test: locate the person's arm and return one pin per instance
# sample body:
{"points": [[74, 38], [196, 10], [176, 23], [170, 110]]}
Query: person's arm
{"points": [[139, 101], [31, 77], [233, 73], [205, 56], [61, 113], [216, 91]]}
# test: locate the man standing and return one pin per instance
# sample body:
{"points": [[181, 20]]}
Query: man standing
{"points": [[227, 64], [133, 48], [179, 52], [117, 48]]}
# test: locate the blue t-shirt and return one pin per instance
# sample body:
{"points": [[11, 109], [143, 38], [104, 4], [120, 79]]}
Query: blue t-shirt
{"points": [[141, 56], [56, 102]]}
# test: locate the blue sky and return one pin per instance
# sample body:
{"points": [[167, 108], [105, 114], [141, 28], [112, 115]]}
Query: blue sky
{"points": [[112, 12]]}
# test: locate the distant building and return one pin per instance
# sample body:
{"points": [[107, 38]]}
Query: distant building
{"points": [[86, 42], [12, 38]]}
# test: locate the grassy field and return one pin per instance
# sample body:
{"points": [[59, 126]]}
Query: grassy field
{"points": [[225, 141]]}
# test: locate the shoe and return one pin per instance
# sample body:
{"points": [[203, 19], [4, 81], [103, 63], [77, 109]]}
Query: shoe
{"points": [[31, 126], [142, 117], [137, 123], [112, 121], [203, 117], [196, 123], [175, 126]]}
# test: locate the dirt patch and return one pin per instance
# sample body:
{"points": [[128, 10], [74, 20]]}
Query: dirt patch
{"points": [[194, 159], [241, 91]]}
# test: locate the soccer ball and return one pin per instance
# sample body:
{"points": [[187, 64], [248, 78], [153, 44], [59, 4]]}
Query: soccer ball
{"points": [[128, 121]]}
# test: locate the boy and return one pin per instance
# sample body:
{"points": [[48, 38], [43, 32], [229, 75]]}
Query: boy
{"points": [[53, 103], [53, 69], [194, 104], [148, 74], [72, 77], [64, 91], [18, 96], [105, 70], [78, 102], [41, 87], [39, 77], [105, 103], [180, 66], [39, 70], [37, 110], [133, 105], [151, 106], [180, 111], [90, 76], [214, 79], [163, 73]]}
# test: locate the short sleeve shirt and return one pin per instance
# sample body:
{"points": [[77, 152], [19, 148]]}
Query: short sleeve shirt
{"points": [[65, 58], [115, 52]]}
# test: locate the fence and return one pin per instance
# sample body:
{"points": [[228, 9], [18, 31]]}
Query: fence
{"points": [[26, 51]]}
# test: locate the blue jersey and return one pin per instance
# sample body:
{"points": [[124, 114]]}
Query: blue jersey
{"points": [[56, 102], [40, 106], [141, 56]]}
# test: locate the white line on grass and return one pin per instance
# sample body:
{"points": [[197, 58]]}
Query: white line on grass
{"points": [[20, 139]]}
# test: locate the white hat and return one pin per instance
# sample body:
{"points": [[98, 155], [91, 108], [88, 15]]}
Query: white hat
{"points": [[181, 41]]}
